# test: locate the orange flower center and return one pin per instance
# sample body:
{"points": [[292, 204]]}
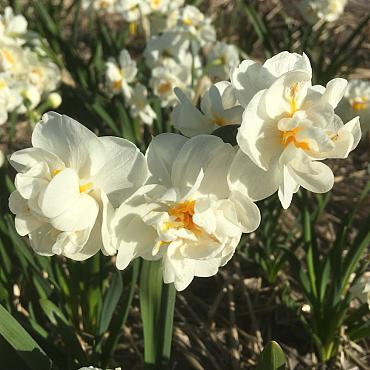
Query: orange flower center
{"points": [[359, 104], [288, 137], [164, 87], [183, 213]]}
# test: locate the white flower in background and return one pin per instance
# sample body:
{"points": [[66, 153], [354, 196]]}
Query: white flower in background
{"points": [[120, 76], [100, 6], [13, 59], [326, 10], [194, 23], [218, 106], [139, 105], [286, 129], [42, 73], [356, 102], [165, 79], [31, 97], [221, 59], [10, 97], [185, 215], [12, 27], [168, 46], [60, 183], [133, 10], [361, 289]]}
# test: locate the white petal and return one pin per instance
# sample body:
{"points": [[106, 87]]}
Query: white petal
{"points": [[248, 179], [248, 214], [334, 91], [287, 188], [72, 142], [124, 169], [258, 136], [24, 159], [248, 79], [136, 239], [285, 62], [79, 216], [160, 155], [43, 239], [61, 193], [194, 158], [188, 119]]}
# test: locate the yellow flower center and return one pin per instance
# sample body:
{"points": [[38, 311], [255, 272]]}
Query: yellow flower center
{"points": [[86, 187], [155, 3], [103, 4], [83, 188], [117, 84], [219, 121], [164, 87], [293, 92], [7, 55], [288, 137], [187, 21], [359, 104], [133, 28], [2, 84], [183, 213]]}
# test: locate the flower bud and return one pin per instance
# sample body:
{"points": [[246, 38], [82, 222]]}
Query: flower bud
{"points": [[54, 100]]}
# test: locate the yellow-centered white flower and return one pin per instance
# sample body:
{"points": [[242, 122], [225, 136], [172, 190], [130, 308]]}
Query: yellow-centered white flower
{"points": [[61, 179], [139, 105], [218, 107], [185, 215], [12, 27], [356, 102], [120, 76], [325, 10], [286, 129], [221, 59]]}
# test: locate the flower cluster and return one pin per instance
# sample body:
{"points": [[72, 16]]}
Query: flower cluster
{"points": [[27, 76], [188, 200], [179, 53]]}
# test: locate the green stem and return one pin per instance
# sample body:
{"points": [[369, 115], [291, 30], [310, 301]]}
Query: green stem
{"points": [[157, 303]]}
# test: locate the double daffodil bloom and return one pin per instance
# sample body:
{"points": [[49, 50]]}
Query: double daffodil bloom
{"points": [[60, 183], [185, 215], [286, 129]]}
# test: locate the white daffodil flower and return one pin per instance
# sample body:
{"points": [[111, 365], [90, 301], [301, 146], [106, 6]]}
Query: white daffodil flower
{"points": [[165, 79], [218, 106], [356, 102], [133, 10], [251, 77], [221, 59], [10, 97], [139, 105], [100, 6], [12, 27], [13, 60], [168, 46], [120, 76], [42, 74], [185, 215], [285, 130], [326, 10], [60, 183], [197, 26]]}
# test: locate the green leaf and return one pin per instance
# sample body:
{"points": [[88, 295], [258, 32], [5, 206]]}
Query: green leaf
{"points": [[110, 302], [150, 304], [25, 346], [272, 357]]}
